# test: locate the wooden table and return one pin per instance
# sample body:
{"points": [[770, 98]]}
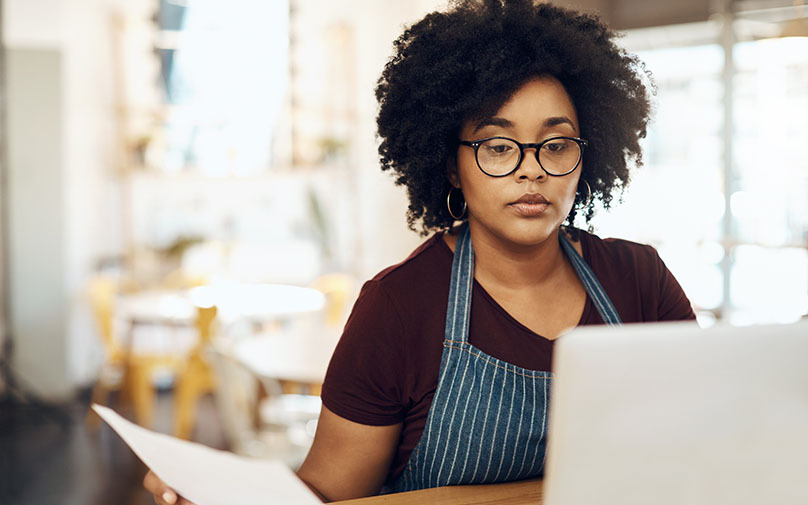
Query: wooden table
{"points": [[287, 356], [510, 493], [155, 307], [258, 302]]}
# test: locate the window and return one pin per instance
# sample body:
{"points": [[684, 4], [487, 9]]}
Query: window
{"points": [[677, 200], [225, 70]]}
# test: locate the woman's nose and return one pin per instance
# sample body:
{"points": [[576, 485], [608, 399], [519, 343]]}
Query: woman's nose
{"points": [[530, 168]]}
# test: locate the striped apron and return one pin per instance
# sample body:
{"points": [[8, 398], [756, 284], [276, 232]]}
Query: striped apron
{"points": [[488, 418]]}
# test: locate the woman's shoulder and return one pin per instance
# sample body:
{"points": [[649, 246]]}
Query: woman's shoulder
{"points": [[405, 302], [637, 280], [432, 255], [414, 281], [616, 251]]}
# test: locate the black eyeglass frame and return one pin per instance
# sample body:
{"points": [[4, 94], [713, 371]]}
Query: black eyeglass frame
{"points": [[475, 144]]}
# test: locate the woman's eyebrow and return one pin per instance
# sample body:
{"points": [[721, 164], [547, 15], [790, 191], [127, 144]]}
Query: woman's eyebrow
{"points": [[493, 121], [557, 120], [504, 123]]}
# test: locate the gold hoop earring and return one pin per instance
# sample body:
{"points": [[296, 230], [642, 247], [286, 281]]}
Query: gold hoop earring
{"points": [[449, 205], [588, 196]]}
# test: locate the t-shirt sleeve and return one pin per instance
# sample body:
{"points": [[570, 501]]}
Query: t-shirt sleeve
{"points": [[363, 381], [673, 302]]}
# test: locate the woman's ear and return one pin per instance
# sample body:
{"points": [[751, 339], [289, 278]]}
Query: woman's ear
{"points": [[451, 172]]}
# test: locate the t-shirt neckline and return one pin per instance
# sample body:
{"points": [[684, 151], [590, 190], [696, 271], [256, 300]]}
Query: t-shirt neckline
{"points": [[490, 299]]}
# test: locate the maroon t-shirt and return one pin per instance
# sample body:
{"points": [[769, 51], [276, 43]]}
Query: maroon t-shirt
{"points": [[385, 367]]}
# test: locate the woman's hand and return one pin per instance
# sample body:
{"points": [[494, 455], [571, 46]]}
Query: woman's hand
{"points": [[163, 495]]}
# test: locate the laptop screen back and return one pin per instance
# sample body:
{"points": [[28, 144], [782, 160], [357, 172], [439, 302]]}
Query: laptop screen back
{"points": [[668, 413]]}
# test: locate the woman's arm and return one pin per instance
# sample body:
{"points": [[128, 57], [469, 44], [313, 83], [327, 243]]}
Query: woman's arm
{"points": [[347, 459]]}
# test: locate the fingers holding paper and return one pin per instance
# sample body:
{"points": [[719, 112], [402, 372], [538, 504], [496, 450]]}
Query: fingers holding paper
{"points": [[163, 495]]}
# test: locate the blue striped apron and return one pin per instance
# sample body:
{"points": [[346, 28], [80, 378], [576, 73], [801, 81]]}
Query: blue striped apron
{"points": [[488, 418]]}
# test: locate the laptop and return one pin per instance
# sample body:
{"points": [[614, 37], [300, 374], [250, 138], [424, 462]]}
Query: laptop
{"points": [[668, 413]]}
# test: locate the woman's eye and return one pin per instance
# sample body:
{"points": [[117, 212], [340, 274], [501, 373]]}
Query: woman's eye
{"points": [[555, 147], [498, 149]]}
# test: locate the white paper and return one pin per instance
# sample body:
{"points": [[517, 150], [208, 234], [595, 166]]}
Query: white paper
{"points": [[207, 476]]}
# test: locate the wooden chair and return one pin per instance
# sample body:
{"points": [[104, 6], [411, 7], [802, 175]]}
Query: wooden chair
{"points": [[258, 420], [236, 397], [196, 377], [131, 371], [122, 369], [338, 288], [112, 374]]}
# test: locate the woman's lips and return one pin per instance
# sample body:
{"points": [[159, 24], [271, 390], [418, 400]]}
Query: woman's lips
{"points": [[530, 205]]}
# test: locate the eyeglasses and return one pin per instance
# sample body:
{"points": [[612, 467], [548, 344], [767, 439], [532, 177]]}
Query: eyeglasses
{"points": [[501, 156]]}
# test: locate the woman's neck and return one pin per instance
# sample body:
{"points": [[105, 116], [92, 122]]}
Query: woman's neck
{"points": [[499, 263]]}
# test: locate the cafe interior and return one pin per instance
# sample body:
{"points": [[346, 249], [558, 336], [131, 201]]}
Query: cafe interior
{"points": [[191, 201]]}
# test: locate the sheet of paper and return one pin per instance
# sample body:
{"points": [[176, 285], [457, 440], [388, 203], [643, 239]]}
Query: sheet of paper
{"points": [[207, 476]]}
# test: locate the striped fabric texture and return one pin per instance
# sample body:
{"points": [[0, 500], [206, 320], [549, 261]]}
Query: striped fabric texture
{"points": [[593, 288], [488, 419]]}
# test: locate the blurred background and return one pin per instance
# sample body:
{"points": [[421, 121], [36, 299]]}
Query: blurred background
{"points": [[191, 200]]}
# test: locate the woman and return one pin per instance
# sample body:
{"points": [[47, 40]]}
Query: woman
{"points": [[504, 120]]}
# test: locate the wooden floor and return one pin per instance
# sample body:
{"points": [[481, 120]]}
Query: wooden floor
{"points": [[50, 457]]}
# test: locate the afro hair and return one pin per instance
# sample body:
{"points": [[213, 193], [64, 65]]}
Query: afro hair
{"points": [[465, 63]]}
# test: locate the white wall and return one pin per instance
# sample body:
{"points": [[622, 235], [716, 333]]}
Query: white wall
{"points": [[62, 184], [34, 73], [91, 166], [32, 23], [36, 234]]}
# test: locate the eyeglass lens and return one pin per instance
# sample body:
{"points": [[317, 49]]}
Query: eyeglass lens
{"points": [[501, 156]]}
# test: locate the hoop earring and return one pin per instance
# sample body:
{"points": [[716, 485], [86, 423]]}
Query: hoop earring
{"points": [[588, 196], [449, 205]]}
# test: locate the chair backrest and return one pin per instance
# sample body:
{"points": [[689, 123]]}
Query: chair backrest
{"points": [[204, 323], [338, 289], [101, 293], [235, 396]]}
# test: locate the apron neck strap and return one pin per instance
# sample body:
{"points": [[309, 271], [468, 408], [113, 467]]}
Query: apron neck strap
{"points": [[593, 288], [459, 306]]}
